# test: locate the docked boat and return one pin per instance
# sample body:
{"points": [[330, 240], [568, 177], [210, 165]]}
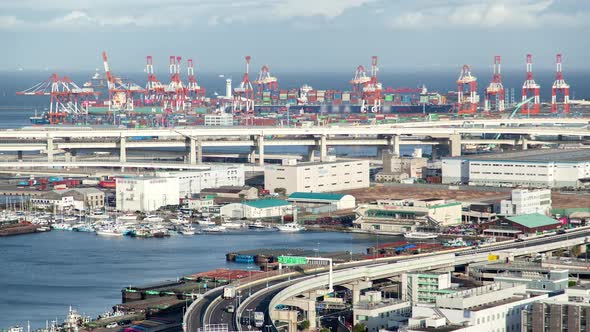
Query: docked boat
{"points": [[98, 216], [127, 217], [153, 218], [214, 229], [420, 235], [43, 229], [257, 225], [458, 242], [205, 222], [84, 227], [187, 230], [233, 224], [108, 232], [290, 227], [61, 226]]}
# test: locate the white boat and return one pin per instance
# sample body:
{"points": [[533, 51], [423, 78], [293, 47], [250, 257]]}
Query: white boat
{"points": [[98, 216], [290, 227], [233, 224], [62, 226], [214, 229], [152, 218], [205, 222], [187, 230], [127, 217], [420, 235], [108, 232], [257, 225], [43, 229]]}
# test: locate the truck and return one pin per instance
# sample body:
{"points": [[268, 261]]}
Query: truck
{"points": [[258, 319], [229, 292]]}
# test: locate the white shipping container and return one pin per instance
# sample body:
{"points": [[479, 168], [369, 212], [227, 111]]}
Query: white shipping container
{"points": [[90, 182]]}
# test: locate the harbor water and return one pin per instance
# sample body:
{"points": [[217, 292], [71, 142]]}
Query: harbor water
{"points": [[42, 274]]}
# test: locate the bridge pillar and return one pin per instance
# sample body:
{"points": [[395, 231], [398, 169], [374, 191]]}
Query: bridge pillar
{"points": [[260, 142], [323, 148], [524, 143], [455, 145], [122, 149], [357, 287], [49, 149], [68, 156], [192, 151], [19, 155], [310, 153], [393, 143]]}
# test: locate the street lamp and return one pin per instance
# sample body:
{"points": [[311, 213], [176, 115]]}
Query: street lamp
{"points": [[249, 281], [249, 310]]}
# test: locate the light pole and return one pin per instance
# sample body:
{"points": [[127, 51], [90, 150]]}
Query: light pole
{"points": [[249, 310], [249, 281]]}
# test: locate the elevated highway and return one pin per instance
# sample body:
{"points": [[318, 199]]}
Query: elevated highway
{"points": [[454, 134]]}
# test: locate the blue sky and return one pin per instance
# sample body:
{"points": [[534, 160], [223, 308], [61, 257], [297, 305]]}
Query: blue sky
{"points": [[293, 35]]}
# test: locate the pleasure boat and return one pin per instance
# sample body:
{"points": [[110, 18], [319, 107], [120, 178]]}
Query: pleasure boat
{"points": [[61, 226], [108, 232], [187, 230], [205, 222], [214, 229], [233, 224], [290, 227], [152, 218], [420, 235], [257, 225], [127, 217]]}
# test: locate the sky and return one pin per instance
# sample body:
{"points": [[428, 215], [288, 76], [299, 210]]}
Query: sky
{"points": [[293, 35]]}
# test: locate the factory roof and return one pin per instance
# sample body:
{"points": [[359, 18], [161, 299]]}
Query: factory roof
{"points": [[539, 155], [316, 196], [533, 220], [266, 203], [226, 189]]}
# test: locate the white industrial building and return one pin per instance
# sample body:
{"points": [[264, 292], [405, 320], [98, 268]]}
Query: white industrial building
{"points": [[192, 182], [494, 307], [81, 199], [423, 287], [378, 313], [524, 201], [551, 168], [399, 216], [322, 202], [219, 120], [317, 176], [146, 193], [258, 209]]}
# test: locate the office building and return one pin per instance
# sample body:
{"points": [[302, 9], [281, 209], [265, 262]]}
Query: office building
{"points": [[524, 201], [424, 287], [396, 168], [378, 313], [317, 177], [219, 120]]}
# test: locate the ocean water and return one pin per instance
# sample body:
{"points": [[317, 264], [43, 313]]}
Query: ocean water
{"points": [[42, 274]]}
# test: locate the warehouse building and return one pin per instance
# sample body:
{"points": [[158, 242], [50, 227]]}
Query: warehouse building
{"points": [[551, 168], [399, 216], [193, 182], [317, 177], [525, 224], [81, 199], [231, 192], [146, 193], [258, 209], [568, 311], [322, 202]]}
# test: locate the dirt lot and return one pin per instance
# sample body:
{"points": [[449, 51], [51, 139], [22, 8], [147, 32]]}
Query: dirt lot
{"points": [[463, 194]]}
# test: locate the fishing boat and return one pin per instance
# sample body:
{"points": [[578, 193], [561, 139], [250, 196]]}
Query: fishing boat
{"points": [[233, 224], [43, 229], [290, 227], [420, 235]]}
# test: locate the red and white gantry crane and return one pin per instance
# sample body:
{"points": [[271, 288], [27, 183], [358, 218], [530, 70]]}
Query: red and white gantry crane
{"points": [[494, 94], [531, 87], [194, 91], [244, 93], [371, 99], [154, 89], [467, 99], [265, 81], [560, 87]]}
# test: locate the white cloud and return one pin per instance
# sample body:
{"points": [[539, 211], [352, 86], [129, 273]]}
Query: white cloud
{"points": [[308, 8], [485, 14], [7, 22]]}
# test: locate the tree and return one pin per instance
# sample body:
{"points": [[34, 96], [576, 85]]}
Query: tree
{"points": [[281, 191], [305, 325], [359, 328], [325, 329]]}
